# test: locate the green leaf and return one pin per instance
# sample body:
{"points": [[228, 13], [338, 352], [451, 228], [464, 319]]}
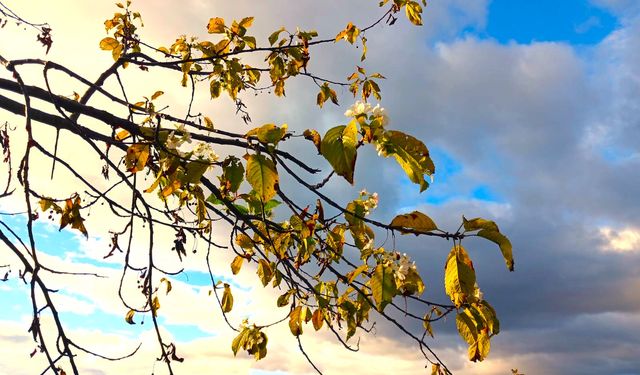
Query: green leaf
{"points": [[232, 174], [416, 220], [503, 242], [274, 36], [383, 286], [410, 153], [459, 276], [339, 148], [283, 300], [262, 176], [227, 299], [194, 171]]}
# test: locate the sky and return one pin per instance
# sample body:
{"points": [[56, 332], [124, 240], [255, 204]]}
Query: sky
{"points": [[530, 110]]}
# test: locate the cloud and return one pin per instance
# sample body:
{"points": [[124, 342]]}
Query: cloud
{"points": [[533, 123], [621, 241]]}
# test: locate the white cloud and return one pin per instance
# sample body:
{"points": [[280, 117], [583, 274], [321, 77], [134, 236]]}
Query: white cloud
{"points": [[622, 241]]}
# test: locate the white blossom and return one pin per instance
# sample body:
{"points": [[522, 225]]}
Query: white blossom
{"points": [[358, 108], [404, 266], [381, 115], [205, 151]]}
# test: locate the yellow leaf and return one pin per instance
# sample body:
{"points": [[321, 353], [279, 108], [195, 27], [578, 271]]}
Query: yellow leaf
{"points": [[414, 13], [167, 282], [129, 317], [353, 274], [227, 299], [155, 306], [137, 156], [313, 136], [415, 220], [244, 241], [156, 94], [466, 328], [122, 135], [171, 187], [317, 319], [504, 244], [459, 276], [479, 223], [246, 22], [269, 133], [208, 123], [295, 321], [108, 44], [215, 26], [236, 264]]}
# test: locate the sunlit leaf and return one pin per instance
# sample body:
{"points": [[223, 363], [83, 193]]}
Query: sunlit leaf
{"points": [[167, 283], [295, 321], [109, 44], [265, 273], [137, 156], [274, 36], [504, 244], [318, 319], [339, 148], [236, 264], [459, 277], [410, 153], [216, 26], [156, 95], [227, 299], [466, 328], [313, 136], [414, 13], [383, 286], [415, 220], [262, 176], [269, 133], [479, 223], [129, 317]]}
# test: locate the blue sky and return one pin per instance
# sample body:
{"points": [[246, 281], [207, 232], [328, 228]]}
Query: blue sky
{"points": [[578, 22], [529, 108]]}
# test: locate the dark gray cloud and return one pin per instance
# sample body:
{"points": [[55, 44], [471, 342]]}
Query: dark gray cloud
{"points": [[555, 132]]}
